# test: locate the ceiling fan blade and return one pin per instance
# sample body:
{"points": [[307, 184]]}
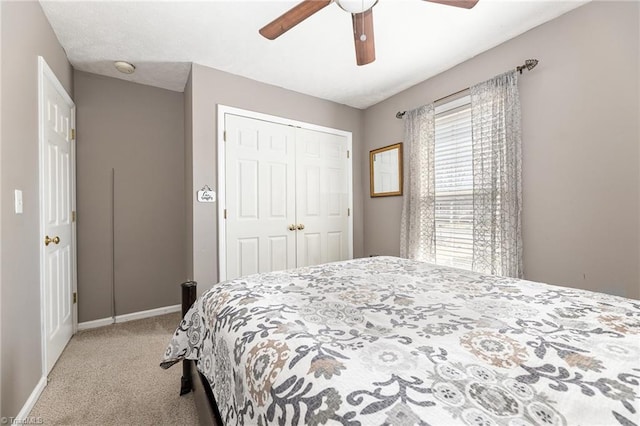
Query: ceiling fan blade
{"points": [[467, 4], [292, 17], [363, 37]]}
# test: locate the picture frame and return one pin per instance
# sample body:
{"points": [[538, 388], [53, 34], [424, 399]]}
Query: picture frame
{"points": [[385, 171]]}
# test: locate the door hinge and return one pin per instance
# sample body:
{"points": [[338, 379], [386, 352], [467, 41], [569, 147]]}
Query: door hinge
{"points": [[348, 153], [73, 134], [225, 213], [75, 297], [348, 212], [224, 135], [73, 216]]}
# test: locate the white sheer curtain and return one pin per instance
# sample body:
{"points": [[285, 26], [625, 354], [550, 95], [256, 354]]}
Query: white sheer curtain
{"points": [[497, 169], [417, 232], [497, 188]]}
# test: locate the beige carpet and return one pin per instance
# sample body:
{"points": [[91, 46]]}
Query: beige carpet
{"points": [[111, 376]]}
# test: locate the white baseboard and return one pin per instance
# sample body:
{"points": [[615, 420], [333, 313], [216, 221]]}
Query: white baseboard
{"points": [[148, 314], [94, 324], [128, 317], [31, 401]]}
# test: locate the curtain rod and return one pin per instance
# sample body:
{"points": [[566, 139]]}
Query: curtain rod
{"points": [[529, 64]]}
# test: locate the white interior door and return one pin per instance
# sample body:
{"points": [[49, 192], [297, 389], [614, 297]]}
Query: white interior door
{"points": [[260, 191], [322, 197], [57, 202]]}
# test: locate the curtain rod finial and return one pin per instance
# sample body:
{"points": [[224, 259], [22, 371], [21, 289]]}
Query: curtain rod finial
{"points": [[529, 64], [400, 114]]}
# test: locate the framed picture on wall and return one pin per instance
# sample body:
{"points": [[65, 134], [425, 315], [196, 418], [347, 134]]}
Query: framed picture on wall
{"points": [[385, 171]]}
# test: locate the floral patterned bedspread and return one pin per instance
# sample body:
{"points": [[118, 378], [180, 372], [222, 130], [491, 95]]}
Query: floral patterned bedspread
{"points": [[390, 341]]}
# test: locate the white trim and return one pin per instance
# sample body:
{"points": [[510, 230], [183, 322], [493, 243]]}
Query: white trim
{"points": [[148, 314], [222, 111], [74, 223], [86, 325], [41, 69], [129, 317], [31, 402], [222, 195], [350, 185]]}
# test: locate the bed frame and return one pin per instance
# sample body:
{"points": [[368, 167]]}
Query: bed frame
{"points": [[192, 380]]}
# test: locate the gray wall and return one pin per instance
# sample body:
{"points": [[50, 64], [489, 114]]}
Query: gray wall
{"points": [[139, 132], [26, 33], [580, 137], [211, 87]]}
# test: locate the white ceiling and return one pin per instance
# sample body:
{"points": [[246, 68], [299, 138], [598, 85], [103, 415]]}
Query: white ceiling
{"points": [[414, 40]]}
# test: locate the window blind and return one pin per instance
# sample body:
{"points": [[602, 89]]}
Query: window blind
{"points": [[453, 164]]}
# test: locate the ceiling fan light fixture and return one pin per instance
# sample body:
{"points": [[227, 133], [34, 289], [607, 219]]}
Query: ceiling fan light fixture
{"points": [[356, 6], [124, 67], [361, 19]]}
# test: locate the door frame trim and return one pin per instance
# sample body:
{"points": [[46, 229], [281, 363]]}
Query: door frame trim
{"points": [[45, 72], [222, 111]]}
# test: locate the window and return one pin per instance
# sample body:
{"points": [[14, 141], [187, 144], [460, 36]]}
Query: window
{"points": [[453, 163], [463, 197]]}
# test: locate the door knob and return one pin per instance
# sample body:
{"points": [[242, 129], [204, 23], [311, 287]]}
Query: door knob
{"points": [[54, 240], [292, 227], [300, 227]]}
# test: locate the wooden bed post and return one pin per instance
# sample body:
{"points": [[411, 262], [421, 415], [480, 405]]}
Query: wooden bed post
{"points": [[188, 297]]}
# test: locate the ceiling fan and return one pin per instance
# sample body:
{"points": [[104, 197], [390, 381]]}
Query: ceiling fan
{"points": [[361, 17]]}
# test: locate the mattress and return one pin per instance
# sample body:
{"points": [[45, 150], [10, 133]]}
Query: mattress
{"points": [[391, 341]]}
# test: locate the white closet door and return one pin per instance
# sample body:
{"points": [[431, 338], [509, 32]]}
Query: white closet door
{"points": [[260, 191], [322, 197]]}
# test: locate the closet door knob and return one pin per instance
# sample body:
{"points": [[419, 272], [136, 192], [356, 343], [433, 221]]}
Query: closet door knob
{"points": [[300, 227], [292, 227]]}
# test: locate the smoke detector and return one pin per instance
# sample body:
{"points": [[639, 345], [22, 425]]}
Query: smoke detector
{"points": [[124, 67]]}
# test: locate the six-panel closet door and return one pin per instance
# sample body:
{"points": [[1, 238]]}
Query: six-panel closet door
{"points": [[286, 196], [321, 198]]}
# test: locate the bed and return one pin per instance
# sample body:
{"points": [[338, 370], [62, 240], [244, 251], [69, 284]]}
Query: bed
{"points": [[390, 341]]}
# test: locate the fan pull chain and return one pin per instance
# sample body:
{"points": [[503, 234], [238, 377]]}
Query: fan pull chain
{"points": [[363, 36]]}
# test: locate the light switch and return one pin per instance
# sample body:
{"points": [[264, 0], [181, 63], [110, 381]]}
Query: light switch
{"points": [[18, 201]]}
